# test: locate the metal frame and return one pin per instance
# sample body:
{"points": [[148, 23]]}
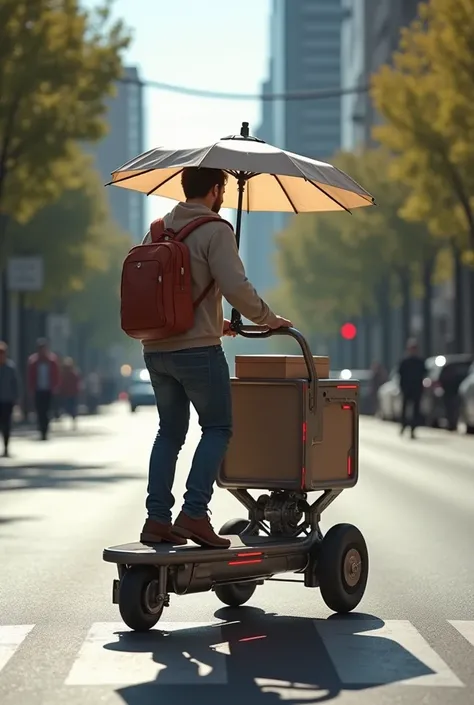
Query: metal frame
{"points": [[312, 514]]}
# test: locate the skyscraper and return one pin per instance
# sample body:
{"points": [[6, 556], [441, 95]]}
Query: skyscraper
{"points": [[125, 139]]}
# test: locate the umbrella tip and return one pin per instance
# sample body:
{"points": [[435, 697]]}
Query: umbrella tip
{"points": [[244, 130]]}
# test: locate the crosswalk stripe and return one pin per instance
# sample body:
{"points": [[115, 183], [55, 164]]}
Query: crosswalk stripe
{"points": [[465, 628], [373, 652], [11, 638], [174, 653]]}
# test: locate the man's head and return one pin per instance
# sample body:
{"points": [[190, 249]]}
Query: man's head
{"points": [[3, 352], [42, 347], [206, 186], [412, 347]]}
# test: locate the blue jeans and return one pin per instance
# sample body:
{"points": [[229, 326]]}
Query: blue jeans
{"points": [[199, 376]]}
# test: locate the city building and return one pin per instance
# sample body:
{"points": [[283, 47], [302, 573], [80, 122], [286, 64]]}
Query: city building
{"points": [[305, 55], [124, 140], [370, 34]]}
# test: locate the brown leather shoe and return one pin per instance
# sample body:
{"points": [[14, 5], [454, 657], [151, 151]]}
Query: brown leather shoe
{"points": [[200, 531], [157, 532]]}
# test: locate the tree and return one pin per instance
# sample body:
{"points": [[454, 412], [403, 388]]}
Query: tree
{"points": [[335, 266], [96, 305], [58, 63], [69, 234], [426, 101]]}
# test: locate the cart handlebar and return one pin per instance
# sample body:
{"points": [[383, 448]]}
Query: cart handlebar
{"points": [[259, 332]]}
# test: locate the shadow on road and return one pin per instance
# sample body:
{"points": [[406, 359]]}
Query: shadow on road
{"points": [[49, 475], [265, 659]]}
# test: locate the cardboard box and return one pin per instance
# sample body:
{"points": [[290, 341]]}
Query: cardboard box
{"points": [[278, 367]]}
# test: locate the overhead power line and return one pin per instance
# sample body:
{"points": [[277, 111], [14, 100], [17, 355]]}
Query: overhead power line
{"points": [[201, 93]]}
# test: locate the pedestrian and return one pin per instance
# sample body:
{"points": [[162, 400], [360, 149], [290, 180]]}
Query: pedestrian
{"points": [[69, 389], [412, 372], [192, 368], [9, 392], [43, 384]]}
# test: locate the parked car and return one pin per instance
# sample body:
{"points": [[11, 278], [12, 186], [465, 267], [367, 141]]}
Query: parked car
{"points": [[140, 391], [466, 396], [365, 386], [389, 398], [440, 404], [440, 401]]}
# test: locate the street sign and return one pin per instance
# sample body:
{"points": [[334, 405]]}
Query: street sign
{"points": [[25, 274], [58, 330]]}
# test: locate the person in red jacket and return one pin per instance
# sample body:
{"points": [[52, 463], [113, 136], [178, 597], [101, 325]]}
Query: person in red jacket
{"points": [[43, 383]]}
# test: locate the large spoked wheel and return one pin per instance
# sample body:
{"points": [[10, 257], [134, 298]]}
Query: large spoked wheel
{"points": [[236, 594], [343, 568], [139, 605]]}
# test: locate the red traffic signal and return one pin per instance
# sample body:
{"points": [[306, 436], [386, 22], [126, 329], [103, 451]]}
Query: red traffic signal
{"points": [[348, 331]]}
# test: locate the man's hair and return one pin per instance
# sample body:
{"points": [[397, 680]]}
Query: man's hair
{"points": [[197, 182]]}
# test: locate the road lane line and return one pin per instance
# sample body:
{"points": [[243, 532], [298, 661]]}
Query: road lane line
{"points": [[11, 638], [372, 652], [465, 628], [173, 653]]}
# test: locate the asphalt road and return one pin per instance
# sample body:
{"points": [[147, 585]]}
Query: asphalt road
{"points": [[62, 640]]}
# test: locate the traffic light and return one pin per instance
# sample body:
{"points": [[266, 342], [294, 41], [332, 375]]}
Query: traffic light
{"points": [[348, 331]]}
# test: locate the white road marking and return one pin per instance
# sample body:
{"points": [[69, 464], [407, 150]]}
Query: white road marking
{"points": [[11, 638], [173, 653], [465, 628], [370, 652]]}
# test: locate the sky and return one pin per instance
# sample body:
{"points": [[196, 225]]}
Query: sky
{"points": [[218, 45]]}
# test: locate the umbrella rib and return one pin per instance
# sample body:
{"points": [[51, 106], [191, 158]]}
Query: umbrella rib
{"points": [[285, 192], [164, 182], [328, 195], [131, 176]]}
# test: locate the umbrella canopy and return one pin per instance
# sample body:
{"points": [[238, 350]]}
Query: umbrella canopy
{"points": [[275, 180]]}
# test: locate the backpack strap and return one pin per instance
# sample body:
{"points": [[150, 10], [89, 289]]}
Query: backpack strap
{"points": [[187, 230], [157, 228]]}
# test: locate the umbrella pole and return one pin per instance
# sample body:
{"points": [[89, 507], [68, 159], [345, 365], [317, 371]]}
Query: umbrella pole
{"points": [[236, 318]]}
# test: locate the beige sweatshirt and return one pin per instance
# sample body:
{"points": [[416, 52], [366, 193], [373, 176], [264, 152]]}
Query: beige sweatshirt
{"points": [[214, 256]]}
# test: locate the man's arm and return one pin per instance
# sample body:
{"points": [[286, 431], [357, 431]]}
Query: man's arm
{"points": [[228, 272]]}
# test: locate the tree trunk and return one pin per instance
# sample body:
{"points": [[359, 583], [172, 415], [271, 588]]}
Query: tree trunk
{"points": [[427, 342], [385, 320], [458, 302], [405, 291], [470, 274]]}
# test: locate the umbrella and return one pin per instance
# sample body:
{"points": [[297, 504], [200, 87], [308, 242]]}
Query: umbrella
{"points": [[266, 178]]}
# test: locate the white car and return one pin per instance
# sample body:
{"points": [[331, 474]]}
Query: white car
{"points": [[466, 394]]}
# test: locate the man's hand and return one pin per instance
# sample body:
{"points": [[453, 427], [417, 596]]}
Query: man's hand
{"points": [[228, 330], [281, 323]]}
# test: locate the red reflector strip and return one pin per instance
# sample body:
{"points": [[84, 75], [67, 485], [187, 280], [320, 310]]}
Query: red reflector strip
{"points": [[304, 432], [347, 407], [303, 478], [253, 638], [255, 560], [346, 386], [349, 466], [246, 555]]}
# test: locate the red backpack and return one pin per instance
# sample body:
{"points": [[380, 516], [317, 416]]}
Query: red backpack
{"points": [[156, 290]]}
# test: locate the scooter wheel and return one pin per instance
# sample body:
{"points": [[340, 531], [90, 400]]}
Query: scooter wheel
{"points": [[343, 568], [236, 594], [138, 604]]}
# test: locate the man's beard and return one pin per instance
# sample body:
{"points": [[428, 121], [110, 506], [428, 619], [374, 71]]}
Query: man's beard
{"points": [[217, 206]]}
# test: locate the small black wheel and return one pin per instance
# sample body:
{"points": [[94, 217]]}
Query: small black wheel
{"points": [[139, 606], [236, 594], [133, 408], [343, 568]]}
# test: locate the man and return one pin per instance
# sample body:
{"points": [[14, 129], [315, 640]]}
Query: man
{"points": [[9, 389], [192, 369], [43, 383], [412, 371]]}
